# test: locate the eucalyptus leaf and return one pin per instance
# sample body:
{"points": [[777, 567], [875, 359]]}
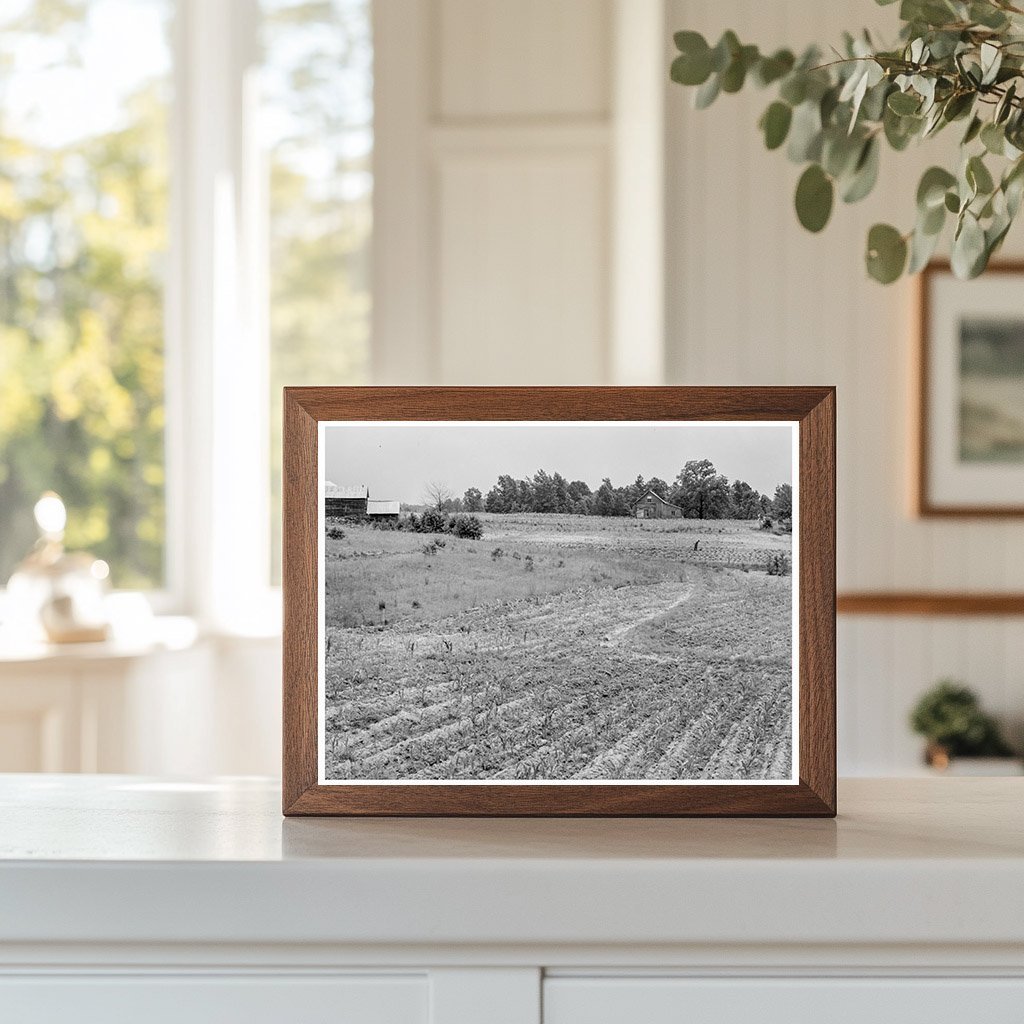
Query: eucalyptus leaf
{"points": [[900, 130], [735, 74], [993, 138], [689, 69], [794, 88], [1005, 105], [1013, 187], [958, 105], [814, 196], [931, 222], [922, 248], [973, 130], [771, 69], [865, 173], [724, 51], [707, 93], [968, 248], [991, 61], [840, 152], [775, 124], [931, 190], [904, 103], [978, 176], [987, 15], [873, 106], [886, 253], [805, 133]]}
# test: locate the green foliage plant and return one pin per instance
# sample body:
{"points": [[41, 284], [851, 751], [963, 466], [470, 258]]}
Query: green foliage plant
{"points": [[950, 717], [957, 62]]}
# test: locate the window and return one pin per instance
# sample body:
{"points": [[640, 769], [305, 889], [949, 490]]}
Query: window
{"points": [[83, 236], [167, 264], [317, 117]]}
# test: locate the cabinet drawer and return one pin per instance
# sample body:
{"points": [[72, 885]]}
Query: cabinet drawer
{"points": [[782, 1001], [202, 999]]}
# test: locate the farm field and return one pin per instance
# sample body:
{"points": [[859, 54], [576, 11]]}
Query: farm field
{"points": [[558, 647]]}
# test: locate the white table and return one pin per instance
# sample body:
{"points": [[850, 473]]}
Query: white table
{"points": [[197, 902]]}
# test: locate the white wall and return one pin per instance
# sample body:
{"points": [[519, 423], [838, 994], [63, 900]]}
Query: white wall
{"points": [[518, 240], [501, 132], [754, 299]]}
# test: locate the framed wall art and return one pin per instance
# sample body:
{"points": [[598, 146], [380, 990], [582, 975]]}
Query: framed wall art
{"points": [[559, 601], [970, 444]]}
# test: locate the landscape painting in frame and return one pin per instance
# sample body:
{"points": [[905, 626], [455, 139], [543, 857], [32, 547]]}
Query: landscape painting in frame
{"points": [[992, 389], [972, 393], [546, 602]]}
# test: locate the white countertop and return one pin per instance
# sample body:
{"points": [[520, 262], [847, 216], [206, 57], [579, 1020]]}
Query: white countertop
{"points": [[121, 859]]}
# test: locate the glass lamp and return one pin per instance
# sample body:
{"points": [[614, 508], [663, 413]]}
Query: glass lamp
{"points": [[56, 595]]}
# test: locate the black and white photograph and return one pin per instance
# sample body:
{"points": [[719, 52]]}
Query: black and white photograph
{"points": [[540, 602]]}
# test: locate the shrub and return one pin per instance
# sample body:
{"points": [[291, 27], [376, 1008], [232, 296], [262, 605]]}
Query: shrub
{"points": [[430, 549], [528, 563], [466, 526], [336, 532], [951, 718], [433, 521], [778, 564], [767, 524], [497, 553]]}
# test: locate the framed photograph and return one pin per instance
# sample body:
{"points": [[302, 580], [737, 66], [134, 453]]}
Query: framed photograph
{"points": [[559, 601], [970, 450]]}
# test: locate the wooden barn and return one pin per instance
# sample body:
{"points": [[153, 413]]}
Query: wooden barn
{"points": [[653, 506], [377, 508], [345, 501], [356, 503]]}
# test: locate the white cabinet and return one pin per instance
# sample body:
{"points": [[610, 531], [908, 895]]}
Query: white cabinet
{"points": [[216, 1000], [133, 899], [626, 1000]]}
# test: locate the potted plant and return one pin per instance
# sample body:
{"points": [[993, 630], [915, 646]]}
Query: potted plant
{"points": [[956, 62], [950, 718]]}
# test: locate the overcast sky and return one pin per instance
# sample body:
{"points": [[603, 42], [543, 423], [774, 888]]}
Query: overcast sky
{"points": [[398, 460]]}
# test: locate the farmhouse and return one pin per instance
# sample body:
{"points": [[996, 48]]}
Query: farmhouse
{"points": [[653, 506], [356, 503]]}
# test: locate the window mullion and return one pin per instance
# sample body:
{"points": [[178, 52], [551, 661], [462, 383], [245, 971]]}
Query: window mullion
{"points": [[221, 413]]}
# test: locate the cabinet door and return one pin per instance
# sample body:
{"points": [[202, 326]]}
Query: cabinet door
{"points": [[782, 1001], [202, 999]]}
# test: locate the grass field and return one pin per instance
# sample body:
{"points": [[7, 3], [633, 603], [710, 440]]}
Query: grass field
{"points": [[559, 647]]}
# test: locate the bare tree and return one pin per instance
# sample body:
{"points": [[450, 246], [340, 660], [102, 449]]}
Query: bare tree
{"points": [[438, 494]]}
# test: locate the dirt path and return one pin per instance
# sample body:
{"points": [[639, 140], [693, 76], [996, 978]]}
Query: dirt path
{"points": [[623, 630], [605, 616]]}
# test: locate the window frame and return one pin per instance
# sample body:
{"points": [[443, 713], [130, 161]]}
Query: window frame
{"points": [[216, 348]]}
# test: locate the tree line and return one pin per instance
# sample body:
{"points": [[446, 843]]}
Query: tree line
{"points": [[699, 490]]}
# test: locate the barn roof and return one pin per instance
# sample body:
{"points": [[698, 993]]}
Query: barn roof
{"points": [[349, 491], [654, 494]]}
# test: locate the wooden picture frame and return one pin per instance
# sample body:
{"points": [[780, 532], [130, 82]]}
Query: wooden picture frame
{"points": [[927, 372], [811, 791]]}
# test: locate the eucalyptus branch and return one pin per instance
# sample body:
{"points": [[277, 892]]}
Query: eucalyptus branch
{"points": [[954, 60]]}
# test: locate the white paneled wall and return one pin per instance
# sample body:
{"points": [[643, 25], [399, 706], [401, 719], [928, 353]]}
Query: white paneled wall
{"points": [[754, 299], [496, 200], [551, 210]]}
